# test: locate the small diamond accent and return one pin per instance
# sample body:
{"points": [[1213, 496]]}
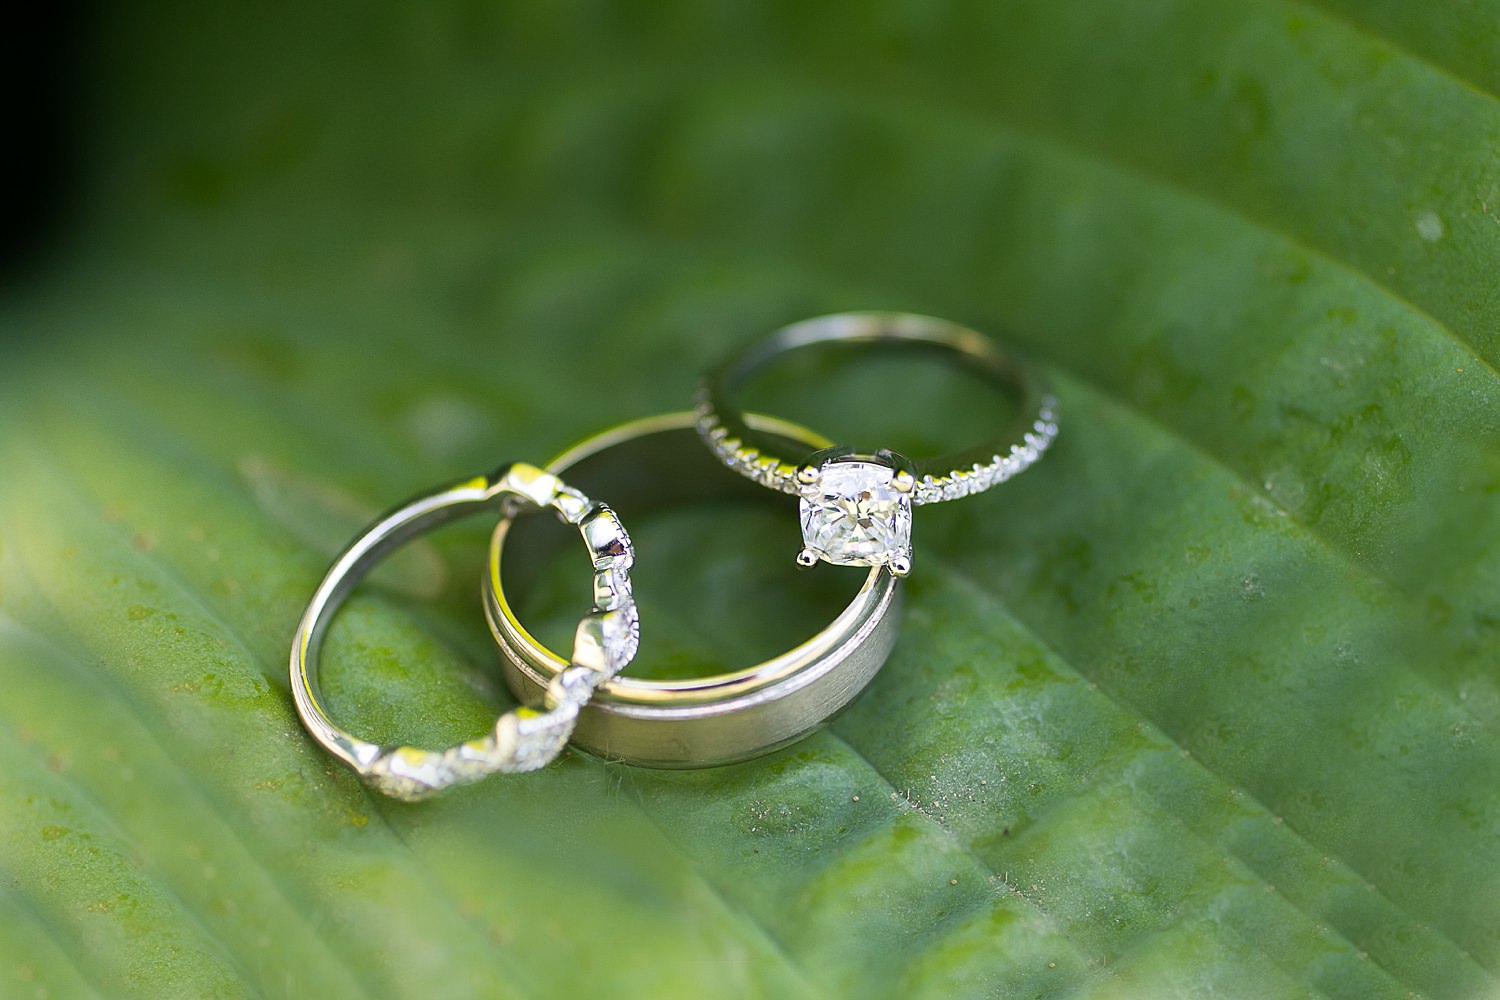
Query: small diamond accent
{"points": [[779, 475], [574, 685], [539, 736], [622, 636], [611, 588]]}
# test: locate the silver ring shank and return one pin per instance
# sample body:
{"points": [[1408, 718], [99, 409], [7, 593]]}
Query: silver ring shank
{"points": [[697, 722], [752, 454]]}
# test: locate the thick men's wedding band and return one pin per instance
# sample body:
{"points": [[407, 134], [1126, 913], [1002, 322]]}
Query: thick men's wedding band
{"points": [[521, 740], [703, 721], [856, 507]]}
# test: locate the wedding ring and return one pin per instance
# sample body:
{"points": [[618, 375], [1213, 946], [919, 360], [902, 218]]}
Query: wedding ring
{"points": [[703, 721], [523, 739], [856, 507]]}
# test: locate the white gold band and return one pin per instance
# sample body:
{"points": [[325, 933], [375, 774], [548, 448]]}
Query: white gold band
{"points": [[521, 740], [700, 721]]}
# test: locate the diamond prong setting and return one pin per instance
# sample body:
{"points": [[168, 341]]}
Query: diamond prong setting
{"points": [[856, 515]]}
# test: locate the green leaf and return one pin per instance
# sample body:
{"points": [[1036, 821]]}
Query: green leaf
{"points": [[1204, 705]]}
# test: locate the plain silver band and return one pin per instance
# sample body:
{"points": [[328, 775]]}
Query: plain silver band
{"points": [[706, 721], [521, 740], [752, 454]]}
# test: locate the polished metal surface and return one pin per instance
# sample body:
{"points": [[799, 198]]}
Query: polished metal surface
{"points": [[521, 740], [704, 721]]}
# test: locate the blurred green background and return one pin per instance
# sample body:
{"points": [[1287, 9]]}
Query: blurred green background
{"points": [[1204, 705]]}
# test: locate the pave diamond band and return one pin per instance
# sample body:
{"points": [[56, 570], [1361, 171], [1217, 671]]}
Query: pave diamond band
{"points": [[780, 474], [526, 738], [856, 508], [701, 721]]}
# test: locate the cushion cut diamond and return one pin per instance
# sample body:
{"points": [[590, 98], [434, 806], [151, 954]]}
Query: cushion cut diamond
{"points": [[854, 516]]}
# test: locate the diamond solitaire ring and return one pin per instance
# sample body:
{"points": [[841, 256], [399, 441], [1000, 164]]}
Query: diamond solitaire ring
{"points": [[856, 506], [696, 722], [524, 739]]}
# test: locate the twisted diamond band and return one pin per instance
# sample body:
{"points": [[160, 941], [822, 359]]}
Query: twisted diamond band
{"points": [[526, 738]]}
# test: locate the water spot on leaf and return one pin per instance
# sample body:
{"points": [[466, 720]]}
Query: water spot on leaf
{"points": [[139, 612], [1251, 588], [1286, 490], [54, 832], [1430, 226]]}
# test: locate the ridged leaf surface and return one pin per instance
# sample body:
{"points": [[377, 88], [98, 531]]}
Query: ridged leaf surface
{"points": [[1203, 705]]}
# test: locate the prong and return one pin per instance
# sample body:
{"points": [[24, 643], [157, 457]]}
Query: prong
{"points": [[808, 475], [807, 558], [900, 565], [905, 478]]}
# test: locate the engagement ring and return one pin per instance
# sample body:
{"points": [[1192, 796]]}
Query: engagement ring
{"points": [[856, 506]]}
